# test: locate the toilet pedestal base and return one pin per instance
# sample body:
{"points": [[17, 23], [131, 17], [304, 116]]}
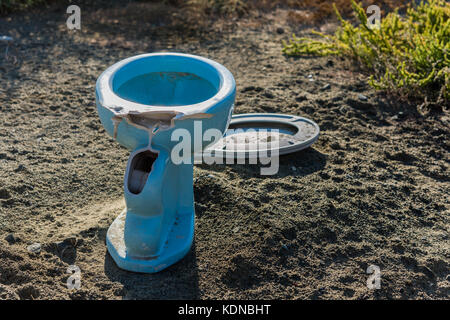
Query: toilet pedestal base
{"points": [[177, 246]]}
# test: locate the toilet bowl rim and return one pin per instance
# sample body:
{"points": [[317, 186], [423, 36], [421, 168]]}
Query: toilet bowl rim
{"points": [[111, 100]]}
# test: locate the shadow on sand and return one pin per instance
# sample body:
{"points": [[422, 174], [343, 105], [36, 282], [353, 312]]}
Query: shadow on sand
{"points": [[305, 161], [179, 281]]}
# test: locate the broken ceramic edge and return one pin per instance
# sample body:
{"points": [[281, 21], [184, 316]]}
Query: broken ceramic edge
{"points": [[159, 120]]}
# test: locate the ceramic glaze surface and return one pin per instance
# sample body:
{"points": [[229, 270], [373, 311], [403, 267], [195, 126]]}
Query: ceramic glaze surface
{"points": [[167, 89], [141, 101]]}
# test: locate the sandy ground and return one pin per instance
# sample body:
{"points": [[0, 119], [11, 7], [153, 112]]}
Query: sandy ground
{"points": [[374, 189]]}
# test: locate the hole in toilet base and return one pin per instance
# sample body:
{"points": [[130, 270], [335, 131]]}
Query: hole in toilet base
{"points": [[140, 168]]}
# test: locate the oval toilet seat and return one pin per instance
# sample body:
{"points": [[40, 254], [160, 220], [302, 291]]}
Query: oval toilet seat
{"points": [[295, 133]]}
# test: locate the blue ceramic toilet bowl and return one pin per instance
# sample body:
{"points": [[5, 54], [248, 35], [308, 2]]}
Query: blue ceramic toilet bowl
{"points": [[141, 101]]}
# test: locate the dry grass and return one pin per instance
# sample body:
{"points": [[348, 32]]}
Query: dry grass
{"points": [[301, 11], [317, 11], [195, 14]]}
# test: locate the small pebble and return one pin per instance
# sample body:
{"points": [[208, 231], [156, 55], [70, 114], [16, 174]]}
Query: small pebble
{"points": [[362, 97], [34, 248], [69, 242], [236, 229], [21, 167], [326, 87], [301, 98], [284, 247], [268, 95], [293, 168], [11, 238], [249, 88]]}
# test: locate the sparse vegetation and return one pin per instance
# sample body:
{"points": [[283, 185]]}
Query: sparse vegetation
{"points": [[407, 55], [321, 11], [302, 11]]}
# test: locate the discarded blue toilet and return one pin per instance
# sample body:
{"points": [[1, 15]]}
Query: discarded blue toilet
{"points": [[141, 102]]}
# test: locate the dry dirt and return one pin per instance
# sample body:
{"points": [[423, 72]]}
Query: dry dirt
{"points": [[374, 189]]}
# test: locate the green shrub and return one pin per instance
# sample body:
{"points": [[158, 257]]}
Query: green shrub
{"points": [[407, 55]]}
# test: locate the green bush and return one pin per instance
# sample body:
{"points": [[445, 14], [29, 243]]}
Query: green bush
{"points": [[407, 55]]}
